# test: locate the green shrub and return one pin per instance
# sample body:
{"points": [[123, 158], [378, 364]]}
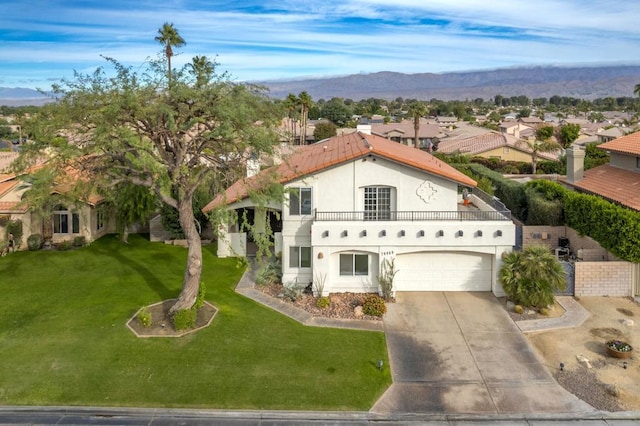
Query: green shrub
{"points": [[144, 316], [270, 273], [202, 290], [79, 241], [532, 276], [64, 245], [323, 302], [542, 211], [34, 242], [184, 319], [544, 311], [15, 227], [518, 309], [374, 305]]}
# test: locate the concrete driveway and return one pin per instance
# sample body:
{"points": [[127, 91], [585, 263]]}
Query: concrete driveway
{"points": [[459, 352]]}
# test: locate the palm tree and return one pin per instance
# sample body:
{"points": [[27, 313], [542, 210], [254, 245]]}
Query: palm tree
{"points": [[290, 104], [542, 143], [416, 111], [531, 277], [305, 101], [168, 37], [202, 69]]}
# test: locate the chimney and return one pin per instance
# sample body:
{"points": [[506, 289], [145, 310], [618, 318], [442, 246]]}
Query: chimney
{"points": [[364, 128], [575, 164]]}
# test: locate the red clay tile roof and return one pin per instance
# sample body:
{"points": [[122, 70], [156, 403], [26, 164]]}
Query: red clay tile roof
{"points": [[11, 207], [338, 150], [629, 144], [615, 184]]}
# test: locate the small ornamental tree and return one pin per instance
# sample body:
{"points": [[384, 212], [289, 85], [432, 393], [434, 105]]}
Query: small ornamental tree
{"points": [[531, 277]]}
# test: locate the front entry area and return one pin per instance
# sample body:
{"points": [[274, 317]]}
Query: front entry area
{"points": [[444, 271]]}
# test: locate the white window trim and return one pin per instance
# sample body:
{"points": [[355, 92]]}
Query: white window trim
{"points": [[299, 257], [353, 265]]}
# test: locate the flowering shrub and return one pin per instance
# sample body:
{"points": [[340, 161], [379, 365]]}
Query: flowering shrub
{"points": [[374, 305], [619, 346]]}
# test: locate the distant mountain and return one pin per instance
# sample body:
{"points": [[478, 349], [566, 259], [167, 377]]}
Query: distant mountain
{"points": [[20, 96], [533, 82]]}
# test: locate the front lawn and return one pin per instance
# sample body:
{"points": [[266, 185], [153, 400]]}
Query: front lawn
{"points": [[63, 338]]}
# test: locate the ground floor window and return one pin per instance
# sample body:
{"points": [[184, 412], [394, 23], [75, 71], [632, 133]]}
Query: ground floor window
{"points": [[299, 257], [354, 264], [65, 222], [99, 219]]}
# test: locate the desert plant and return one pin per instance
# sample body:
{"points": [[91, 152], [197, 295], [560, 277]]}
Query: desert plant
{"points": [[184, 319], [544, 311], [530, 277], [518, 309], [144, 316], [269, 273], [323, 302], [388, 272], [318, 284], [34, 242], [374, 305]]}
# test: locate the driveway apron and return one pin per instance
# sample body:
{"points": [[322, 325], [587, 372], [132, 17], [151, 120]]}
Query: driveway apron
{"points": [[460, 352]]}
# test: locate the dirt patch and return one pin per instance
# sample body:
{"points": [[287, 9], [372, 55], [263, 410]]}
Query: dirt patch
{"points": [[610, 384], [162, 324]]}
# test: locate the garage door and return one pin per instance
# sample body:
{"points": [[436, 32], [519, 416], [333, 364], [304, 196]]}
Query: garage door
{"points": [[443, 271]]}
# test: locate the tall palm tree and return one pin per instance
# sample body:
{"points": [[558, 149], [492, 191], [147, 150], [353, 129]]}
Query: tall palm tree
{"points": [[291, 104], [169, 37], [305, 101], [416, 111], [202, 69]]}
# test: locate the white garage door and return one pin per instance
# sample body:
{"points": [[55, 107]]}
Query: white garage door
{"points": [[443, 271]]}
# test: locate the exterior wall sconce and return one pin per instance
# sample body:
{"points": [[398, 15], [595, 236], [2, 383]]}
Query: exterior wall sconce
{"points": [[363, 233], [325, 234], [479, 233], [383, 233], [440, 233], [421, 233], [345, 233], [320, 255], [402, 233], [498, 233], [460, 233]]}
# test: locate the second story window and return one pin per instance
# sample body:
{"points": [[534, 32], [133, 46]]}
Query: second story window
{"points": [[377, 203], [299, 201]]}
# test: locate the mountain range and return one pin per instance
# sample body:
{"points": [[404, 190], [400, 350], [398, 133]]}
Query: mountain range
{"points": [[533, 82]]}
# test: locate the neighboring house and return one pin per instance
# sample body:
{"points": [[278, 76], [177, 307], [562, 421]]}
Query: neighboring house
{"points": [[446, 120], [493, 145], [531, 121], [516, 129], [618, 181], [404, 132], [357, 200], [90, 218], [610, 134]]}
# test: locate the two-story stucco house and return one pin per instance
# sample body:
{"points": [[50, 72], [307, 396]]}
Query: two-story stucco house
{"points": [[356, 200]]}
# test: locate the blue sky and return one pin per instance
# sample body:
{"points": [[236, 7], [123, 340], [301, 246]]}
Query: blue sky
{"points": [[45, 40]]}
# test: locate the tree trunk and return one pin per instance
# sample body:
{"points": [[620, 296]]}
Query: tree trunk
{"points": [[125, 234], [193, 271]]}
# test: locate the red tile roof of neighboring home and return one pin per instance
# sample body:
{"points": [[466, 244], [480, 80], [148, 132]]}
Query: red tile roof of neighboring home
{"points": [[617, 185], [339, 150], [629, 144], [11, 207]]}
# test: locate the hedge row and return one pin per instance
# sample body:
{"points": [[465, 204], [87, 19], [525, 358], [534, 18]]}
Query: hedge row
{"points": [[543, 202]]}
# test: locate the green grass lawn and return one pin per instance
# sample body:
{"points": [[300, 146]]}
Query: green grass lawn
{"points": [[63, 338]]}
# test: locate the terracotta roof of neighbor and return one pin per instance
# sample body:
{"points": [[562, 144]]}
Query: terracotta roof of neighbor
{"points": [[615, 184], [487, 142], [11, 207], [629, 144], [335, 151], [426, 130]]}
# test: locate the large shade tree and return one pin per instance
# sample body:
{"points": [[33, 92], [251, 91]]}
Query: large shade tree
{"points": [[135, 128]]}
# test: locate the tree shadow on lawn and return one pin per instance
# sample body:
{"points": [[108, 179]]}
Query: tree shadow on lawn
{"points": [[142, 268]]}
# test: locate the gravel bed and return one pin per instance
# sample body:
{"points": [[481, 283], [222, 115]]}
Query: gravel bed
{"points": [[584, 384]]}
